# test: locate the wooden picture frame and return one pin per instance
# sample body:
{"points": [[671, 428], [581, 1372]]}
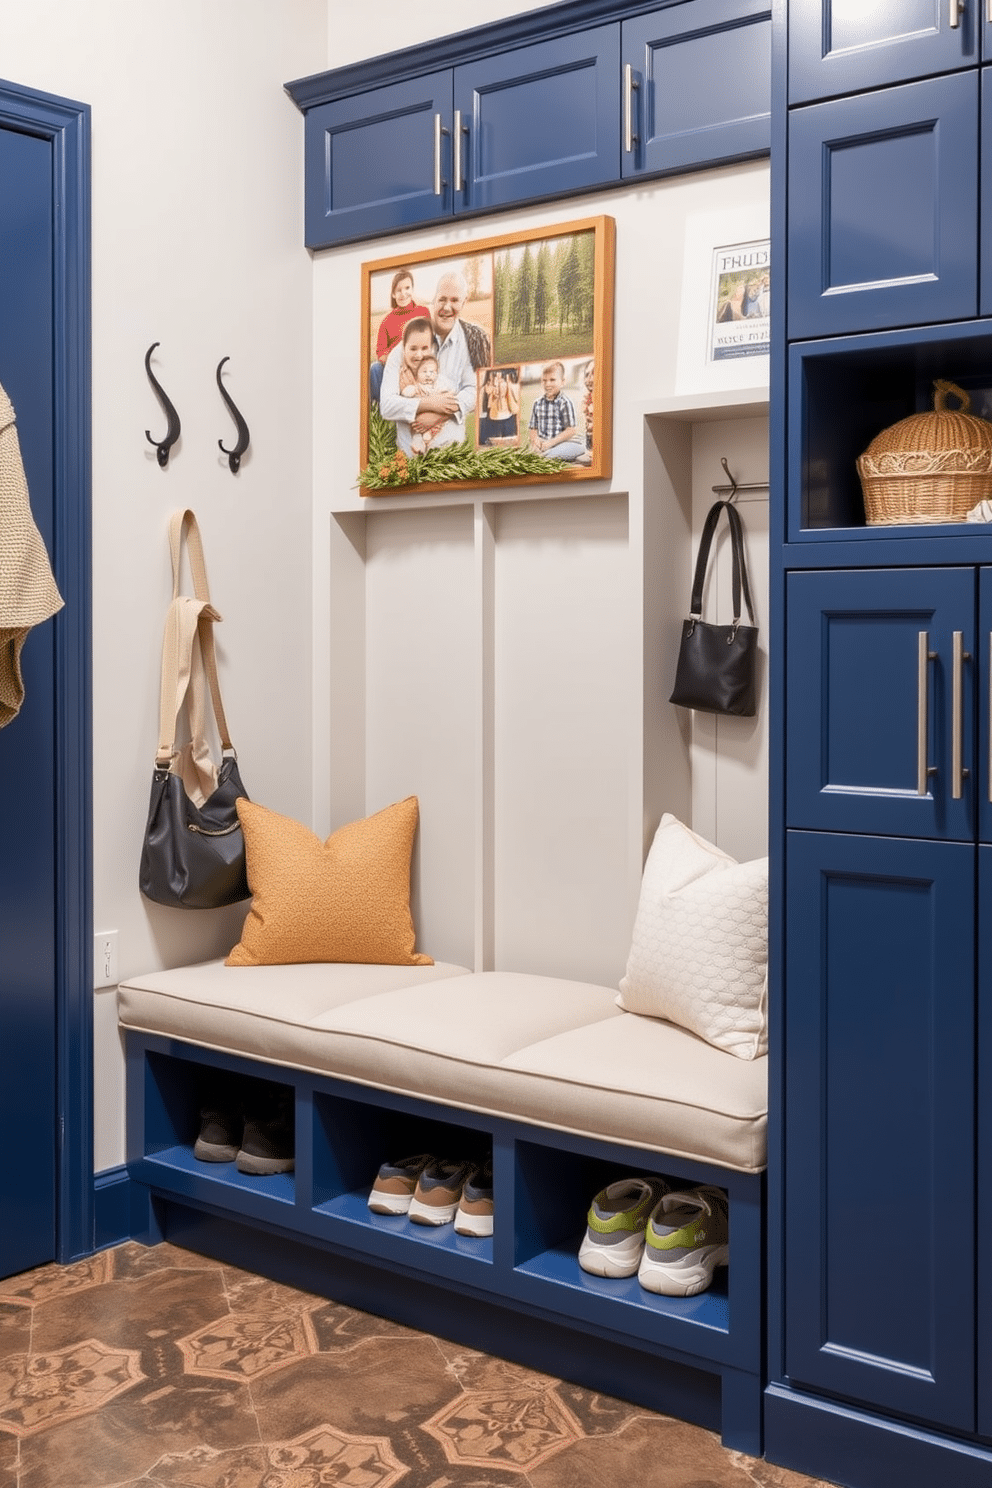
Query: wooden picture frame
{"points": [[480, 359]]}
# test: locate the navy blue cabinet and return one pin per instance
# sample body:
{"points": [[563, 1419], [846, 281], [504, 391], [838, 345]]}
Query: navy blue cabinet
{"points": [[880, 1236], [697, 85], [538, 121], [883, 208], [881, 701], [378, 161], [836, 47], [535, 122], [887, 973], [532, 110], [882, 1348], [985, 199]]}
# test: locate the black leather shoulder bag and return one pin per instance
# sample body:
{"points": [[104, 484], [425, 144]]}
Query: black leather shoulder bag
{"points": [[717, 663]]}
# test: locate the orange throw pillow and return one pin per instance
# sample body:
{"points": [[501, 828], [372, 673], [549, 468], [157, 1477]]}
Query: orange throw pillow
{"points": [[346, 899]]}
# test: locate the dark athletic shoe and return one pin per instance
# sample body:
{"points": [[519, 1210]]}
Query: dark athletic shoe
{"points": [[220, 1135], [267, 1145]]}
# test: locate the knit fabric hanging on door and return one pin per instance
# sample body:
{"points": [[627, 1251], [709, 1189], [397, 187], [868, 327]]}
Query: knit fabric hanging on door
{"points": [[28, 593]]}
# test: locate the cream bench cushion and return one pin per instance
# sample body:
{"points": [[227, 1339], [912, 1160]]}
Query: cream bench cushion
{"points": [[544, 1050]]}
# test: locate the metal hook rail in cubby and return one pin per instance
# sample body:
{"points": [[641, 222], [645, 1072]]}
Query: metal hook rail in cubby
{"points": [[731, 491]]}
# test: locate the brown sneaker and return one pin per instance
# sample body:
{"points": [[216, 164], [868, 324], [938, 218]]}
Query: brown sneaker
{"points": [[395, 1182], [438, 1191], [475, 1211]]}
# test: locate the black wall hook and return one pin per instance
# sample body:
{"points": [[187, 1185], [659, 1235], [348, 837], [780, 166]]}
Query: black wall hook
{"points": [[244, 438], [162, 447]]}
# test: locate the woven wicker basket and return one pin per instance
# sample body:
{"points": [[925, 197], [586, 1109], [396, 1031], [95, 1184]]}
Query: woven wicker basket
{"points": [[930, 467]]}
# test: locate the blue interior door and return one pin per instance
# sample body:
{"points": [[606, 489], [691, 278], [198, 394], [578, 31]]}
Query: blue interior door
{"points": [[28, 938]]}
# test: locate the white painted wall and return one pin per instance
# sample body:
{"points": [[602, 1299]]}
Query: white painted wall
{"points": [[197, 244], [553, 626]]}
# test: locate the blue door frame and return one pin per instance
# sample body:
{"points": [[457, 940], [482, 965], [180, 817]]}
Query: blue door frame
{"points": [[66, 126]]}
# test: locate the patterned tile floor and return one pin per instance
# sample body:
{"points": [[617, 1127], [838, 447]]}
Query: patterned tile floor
{"points": [[161, 1369]]}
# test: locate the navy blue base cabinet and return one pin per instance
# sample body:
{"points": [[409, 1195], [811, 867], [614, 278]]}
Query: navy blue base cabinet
{"points": [[881, 1308], [520, 1293], [880, 1229], [883, 1370]]}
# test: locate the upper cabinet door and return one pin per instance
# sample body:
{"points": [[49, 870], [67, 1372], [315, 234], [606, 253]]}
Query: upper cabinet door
{"points": [[697, 85], [845, 46], [538, 121], [883, 209], [378, 161], [880, 702], [985, 290]]}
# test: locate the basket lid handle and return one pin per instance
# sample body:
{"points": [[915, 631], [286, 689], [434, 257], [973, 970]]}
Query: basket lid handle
{"points": [[943, 389]]}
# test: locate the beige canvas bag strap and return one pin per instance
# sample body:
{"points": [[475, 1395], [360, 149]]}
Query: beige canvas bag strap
{"points": [[184, 526], [180, 659]]}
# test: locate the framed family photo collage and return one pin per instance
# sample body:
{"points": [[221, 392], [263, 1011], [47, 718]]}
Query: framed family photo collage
{"points": [[489, 362]]}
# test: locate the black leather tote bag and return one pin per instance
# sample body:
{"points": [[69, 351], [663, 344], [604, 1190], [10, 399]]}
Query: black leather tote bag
{"points": [[716, 671], [193, 854]]}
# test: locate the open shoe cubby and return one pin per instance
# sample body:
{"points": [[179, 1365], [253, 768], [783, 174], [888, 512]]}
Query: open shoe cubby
{"points": [[846, 390], [552, 1192], [520, 1293], [174, 1092]]}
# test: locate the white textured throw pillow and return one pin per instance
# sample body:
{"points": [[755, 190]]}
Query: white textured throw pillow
{"points": [[699, 956]]}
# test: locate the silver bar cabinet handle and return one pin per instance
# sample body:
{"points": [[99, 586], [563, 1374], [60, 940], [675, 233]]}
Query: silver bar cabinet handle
{"points": [[629, 84], [456, 147], [439, 129], [958, 658], [957, 6], [924, 655]]}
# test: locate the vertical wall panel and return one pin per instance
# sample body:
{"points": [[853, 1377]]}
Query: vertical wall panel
{"points": [[421, 629], [564, 679], [730, 755]]}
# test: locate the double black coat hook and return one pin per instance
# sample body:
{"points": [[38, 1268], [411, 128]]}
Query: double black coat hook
{"points": [[163, 446], [244, 438]]}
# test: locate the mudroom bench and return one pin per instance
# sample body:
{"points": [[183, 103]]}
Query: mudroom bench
{"points": [[571, 1093]]}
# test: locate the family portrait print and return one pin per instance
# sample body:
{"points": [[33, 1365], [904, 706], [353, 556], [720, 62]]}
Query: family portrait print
{"points": [[489, 363]]}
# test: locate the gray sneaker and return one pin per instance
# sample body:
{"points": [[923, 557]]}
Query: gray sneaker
{"points": [[687, 1238], [616, 1222]]}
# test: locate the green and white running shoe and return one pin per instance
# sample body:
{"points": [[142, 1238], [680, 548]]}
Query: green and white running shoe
{"points": [[616, 1223], [686, 1240]]}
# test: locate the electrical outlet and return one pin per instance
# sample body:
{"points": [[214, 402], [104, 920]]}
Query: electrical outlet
{"points": [[105, 959]]}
